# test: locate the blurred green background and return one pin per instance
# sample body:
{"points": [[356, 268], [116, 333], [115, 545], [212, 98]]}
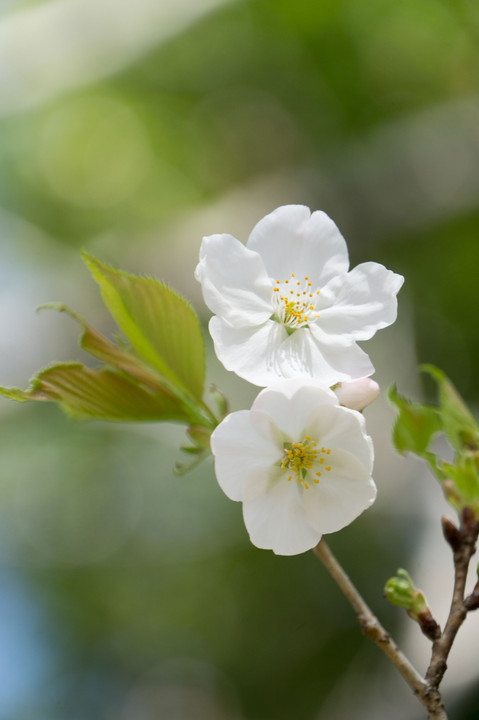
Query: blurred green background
{"points": [[131, 130]]}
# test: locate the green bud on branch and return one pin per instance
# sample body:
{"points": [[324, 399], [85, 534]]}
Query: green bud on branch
{"points": [[400, 590]]}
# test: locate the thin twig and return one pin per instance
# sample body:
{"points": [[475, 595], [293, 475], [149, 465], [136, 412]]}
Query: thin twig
{"points": [[463, 543], [429, 696]]}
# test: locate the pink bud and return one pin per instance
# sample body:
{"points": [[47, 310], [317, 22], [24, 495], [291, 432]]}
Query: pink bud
{"points": [[357, 394]]}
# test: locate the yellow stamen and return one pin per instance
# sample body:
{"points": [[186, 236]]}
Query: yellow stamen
{"points": [[295, 313], [301, 458]]}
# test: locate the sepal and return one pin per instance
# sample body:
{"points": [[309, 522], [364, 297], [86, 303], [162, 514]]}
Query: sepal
{"points": [[198, 450]]}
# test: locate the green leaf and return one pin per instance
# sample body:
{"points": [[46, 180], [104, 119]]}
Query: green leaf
{"points": [[103, 393], [161, 325], [103, 349], [459, 424], [153, 376], [415, 425], [464, 474]]}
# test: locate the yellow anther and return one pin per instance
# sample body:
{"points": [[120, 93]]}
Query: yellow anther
{"points": [[321, 460], [294, 311], [316, 481], [328, 468]]}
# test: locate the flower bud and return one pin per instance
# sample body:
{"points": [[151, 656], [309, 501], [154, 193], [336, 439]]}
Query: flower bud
{"points": [[400, 590], [452, 534], [357, 394]]}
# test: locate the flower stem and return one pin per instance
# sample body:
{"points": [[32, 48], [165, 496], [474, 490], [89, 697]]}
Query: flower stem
{"points": [[428, 695]]}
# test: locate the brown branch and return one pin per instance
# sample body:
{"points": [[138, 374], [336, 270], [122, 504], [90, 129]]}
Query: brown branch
{"points": [[372, 628], [463, 543]]}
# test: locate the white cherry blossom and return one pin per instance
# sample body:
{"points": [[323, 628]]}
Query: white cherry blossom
{"points": [[298, 461], [287, 305]]}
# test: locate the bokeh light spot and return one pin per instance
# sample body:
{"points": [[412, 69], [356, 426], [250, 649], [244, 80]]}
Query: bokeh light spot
{"points": [[93, 151]]}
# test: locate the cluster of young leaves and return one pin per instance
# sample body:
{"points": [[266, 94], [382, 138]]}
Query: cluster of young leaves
{"points": [[156, 374], [418, 423]]}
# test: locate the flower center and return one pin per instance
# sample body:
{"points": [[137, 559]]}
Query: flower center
{"points": [[304, 460], [294, 302]]}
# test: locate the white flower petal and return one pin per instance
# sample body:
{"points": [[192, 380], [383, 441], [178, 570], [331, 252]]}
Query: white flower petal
{"points": [[265, 353], [291, 403], [364, 301], [276, 520], [340, 428], [241, 452], [310, 353], [234, 282], [251, 352], [291, 239], [342, 494]]}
